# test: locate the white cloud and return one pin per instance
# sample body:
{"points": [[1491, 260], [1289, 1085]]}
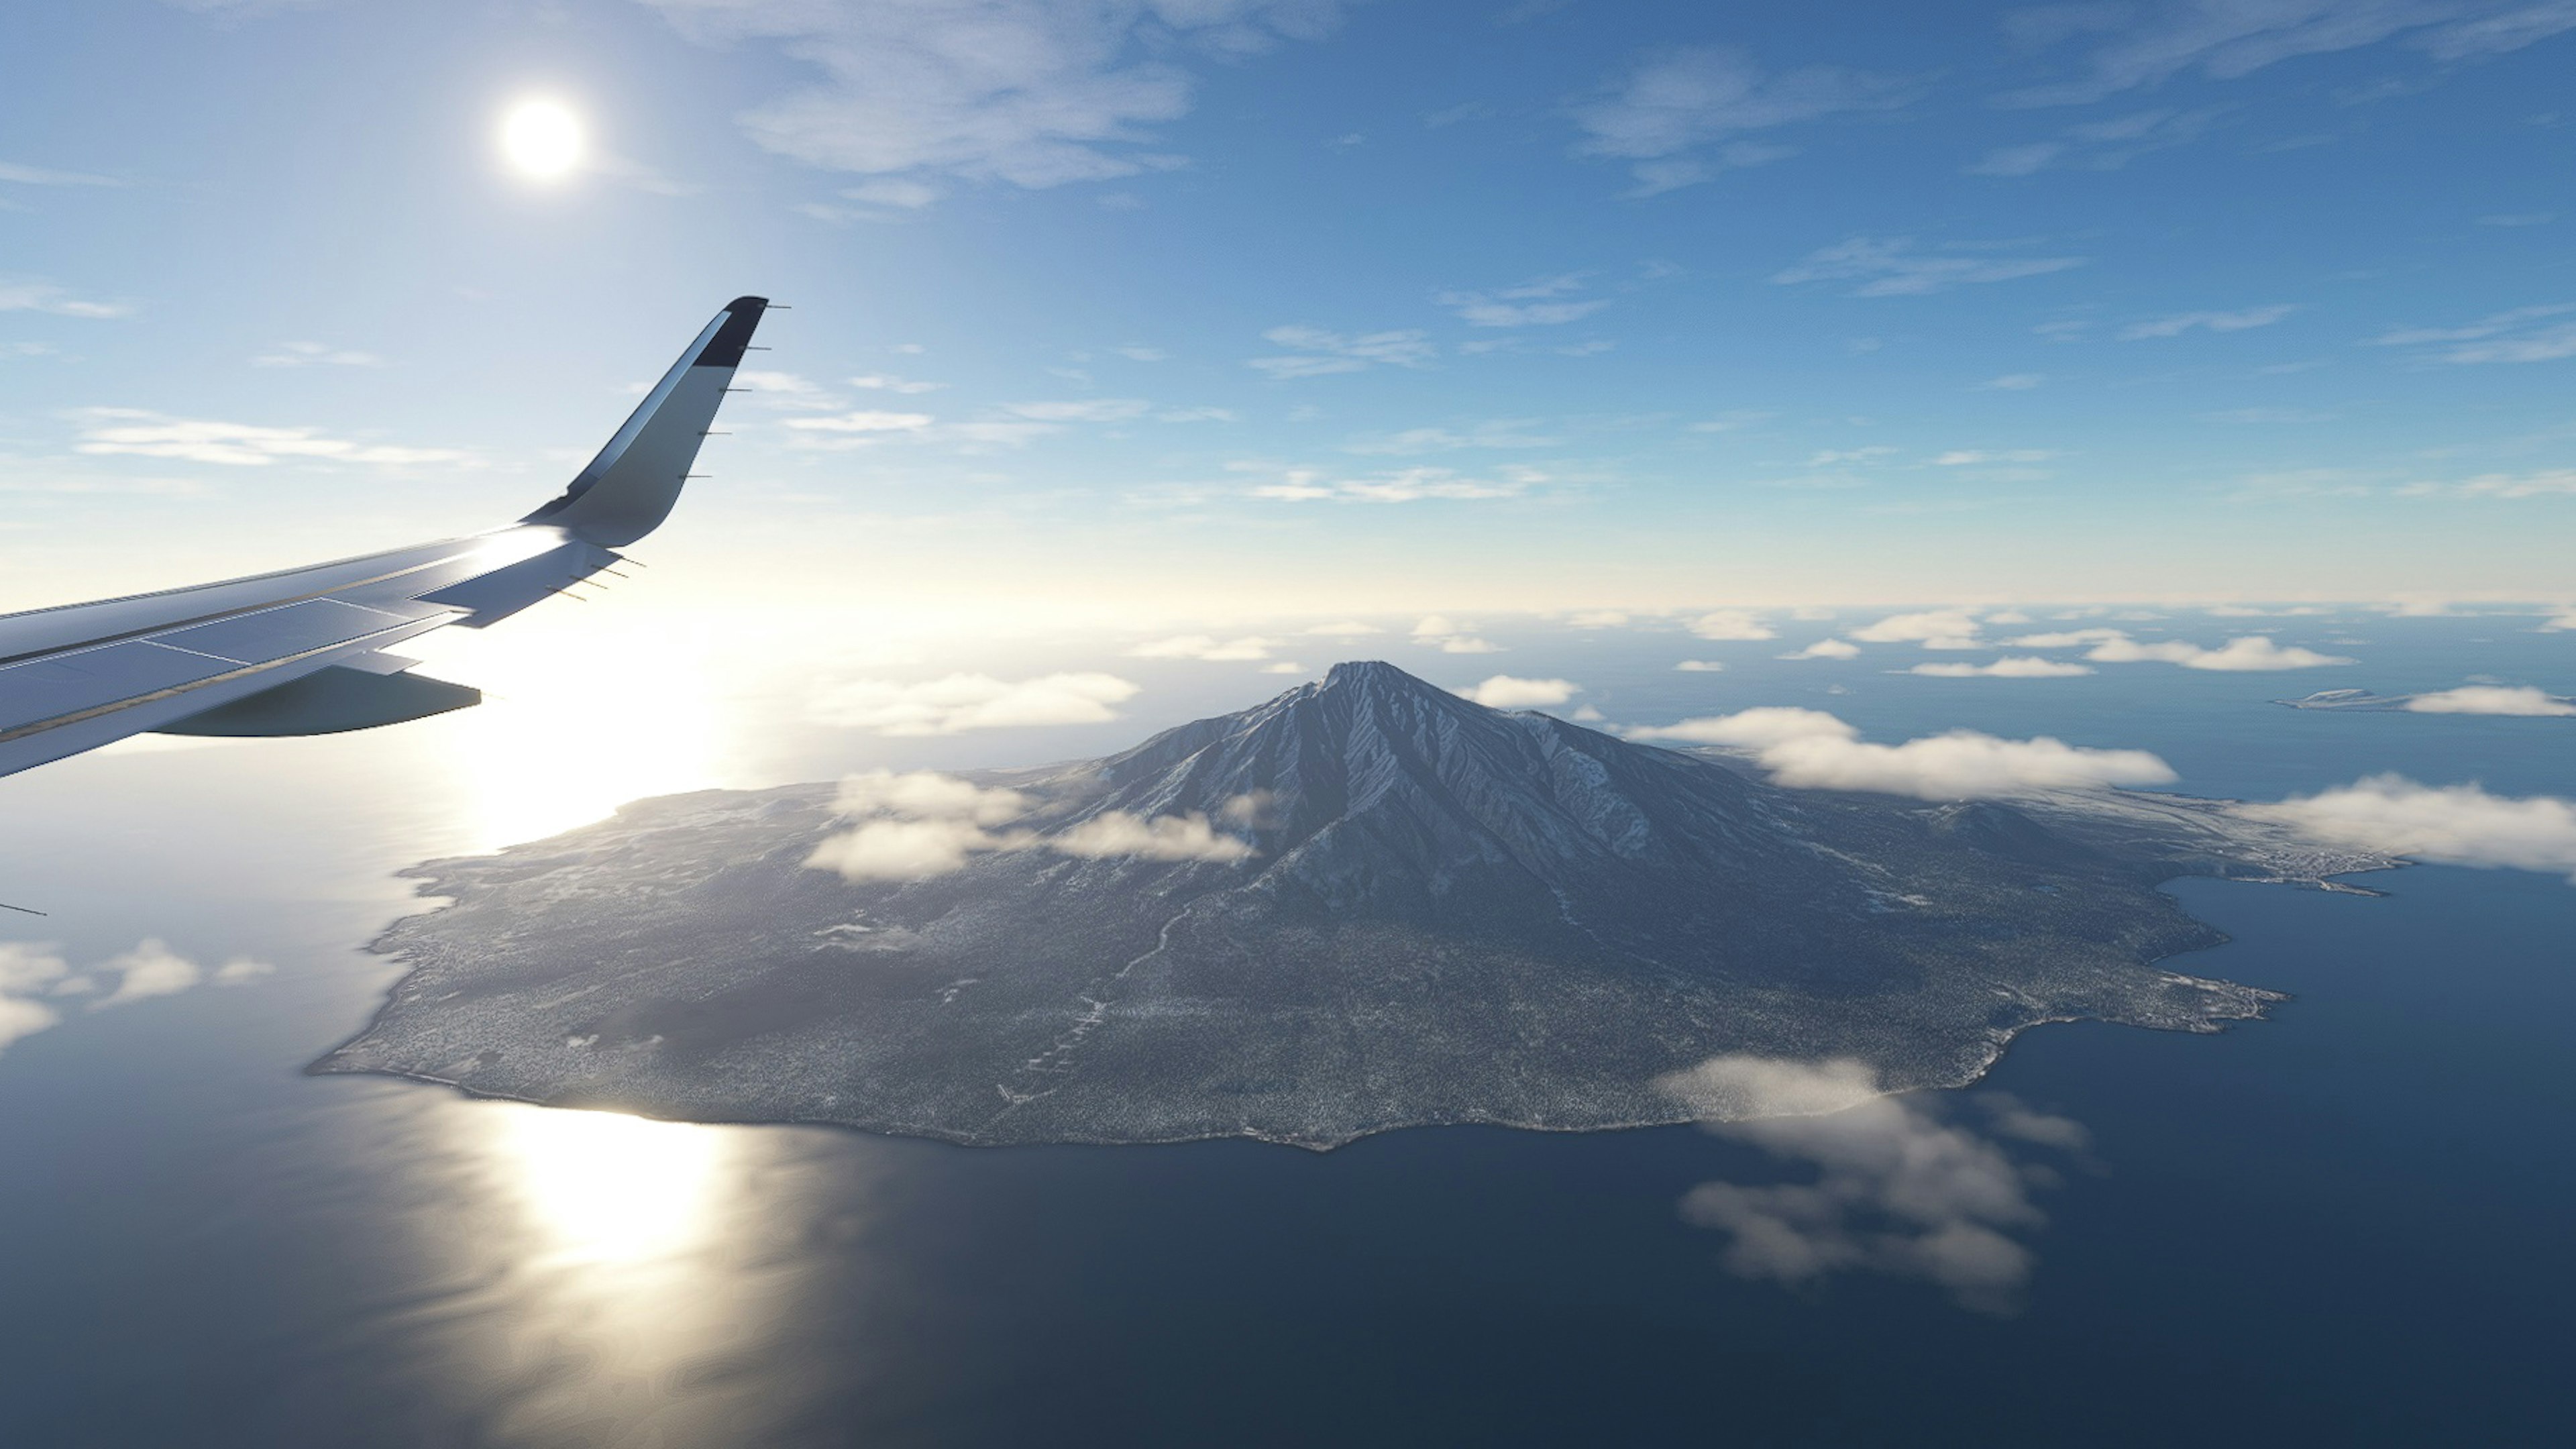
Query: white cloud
{"points": [[2453, 824], [1700, 666], [2140, 47], [1165, 837], [1826, 649], [864, 421], [1087, 410], [315, 354], [2251, 653], [1451, 636], [2028, 666], [902, 849], [137, 433], [2100, 145], [1680, 117], [1975, 457], [1891, 267], [1731, 624], [1203, 647], [1829, 457], [2548, 483], [971, 701], [22, 295], [886, 382], [1500, 433], [1027, 92], [1315, 352], [2563, 621], [1932, 628], [1504, 691], [150, 969], [1598, 619], [2492, 699], [242, 971], [1539, 303], [2524, 334], [2182, 322], [1898, 1189], [1403, 485], [1807, 749], [1283, 666], [921, 824]]}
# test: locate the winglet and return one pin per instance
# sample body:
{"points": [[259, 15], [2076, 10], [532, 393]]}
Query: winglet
{"points": [[630, 487]]}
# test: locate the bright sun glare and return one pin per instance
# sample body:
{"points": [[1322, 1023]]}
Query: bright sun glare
{"points": [[542, 139]]}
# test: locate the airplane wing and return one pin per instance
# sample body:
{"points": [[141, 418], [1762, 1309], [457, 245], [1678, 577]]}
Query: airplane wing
{"points": [[306, 651]]}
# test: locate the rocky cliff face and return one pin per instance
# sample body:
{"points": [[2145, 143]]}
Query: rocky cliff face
{"points": [[1438, 912]]}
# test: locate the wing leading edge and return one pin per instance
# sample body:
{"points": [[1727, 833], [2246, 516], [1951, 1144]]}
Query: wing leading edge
{"points": [[302, 651]]}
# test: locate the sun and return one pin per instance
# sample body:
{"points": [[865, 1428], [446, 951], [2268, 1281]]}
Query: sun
{"points": [[542, 139]]}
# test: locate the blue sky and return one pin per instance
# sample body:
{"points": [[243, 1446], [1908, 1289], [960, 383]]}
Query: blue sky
{"points": [[1215, 309]]}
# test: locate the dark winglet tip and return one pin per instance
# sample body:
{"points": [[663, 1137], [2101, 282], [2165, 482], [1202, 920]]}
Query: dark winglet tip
{"points": [[725, 349]]}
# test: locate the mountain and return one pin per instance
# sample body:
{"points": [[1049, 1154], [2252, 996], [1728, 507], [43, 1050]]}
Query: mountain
{"points": [[1365, 904]]}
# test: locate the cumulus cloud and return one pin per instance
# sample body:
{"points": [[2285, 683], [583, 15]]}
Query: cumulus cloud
{"points": [[1203, 647], [1808, 749], [2492, 699], [1451, 636], [1504, 691], [1315, 352], [2250, 653], [2023, 666], [2452, 824], [1165, 837], [138, 433], [2182, 322], [1826, 649], [1025, 92], [1682, 116], [1931, 628], [31, 973], [1731, 624], [1700, 666], [921, 824], [1892, 267], [971, 701], [1899, 1188]]}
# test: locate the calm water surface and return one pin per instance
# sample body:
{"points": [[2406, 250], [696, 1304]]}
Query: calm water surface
{"points": [[2342, 1225]]}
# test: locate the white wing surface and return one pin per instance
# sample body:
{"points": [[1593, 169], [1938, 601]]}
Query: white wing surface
{"points": [[304, 651]]}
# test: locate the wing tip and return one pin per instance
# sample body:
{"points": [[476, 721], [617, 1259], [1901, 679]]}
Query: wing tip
{"points": [[725, 349]]}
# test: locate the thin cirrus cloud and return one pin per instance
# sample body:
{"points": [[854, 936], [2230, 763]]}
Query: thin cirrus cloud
{"points": [[1807, 749], [26, 295], [1316, 352], [315, 354], [2100, 145], [1683, 116], [1203, 647], [2181, 322], [2129, 48], [921, 824], [1895, 267], [1021, 92], [37, 982], [2524, 334], [1505, 691], [2551, 482], [1901, 1186], [1405, 485], [960, 702], [136, 432], [1542, 302]]}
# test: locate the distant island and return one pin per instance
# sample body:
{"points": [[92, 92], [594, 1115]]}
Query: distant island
{"points": [[1365, 904]]}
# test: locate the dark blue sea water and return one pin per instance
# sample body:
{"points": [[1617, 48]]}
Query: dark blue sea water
{"points": [[2344, 1225]]}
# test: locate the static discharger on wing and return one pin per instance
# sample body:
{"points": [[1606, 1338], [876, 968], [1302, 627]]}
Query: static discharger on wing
{"points": [[307, 651]]}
